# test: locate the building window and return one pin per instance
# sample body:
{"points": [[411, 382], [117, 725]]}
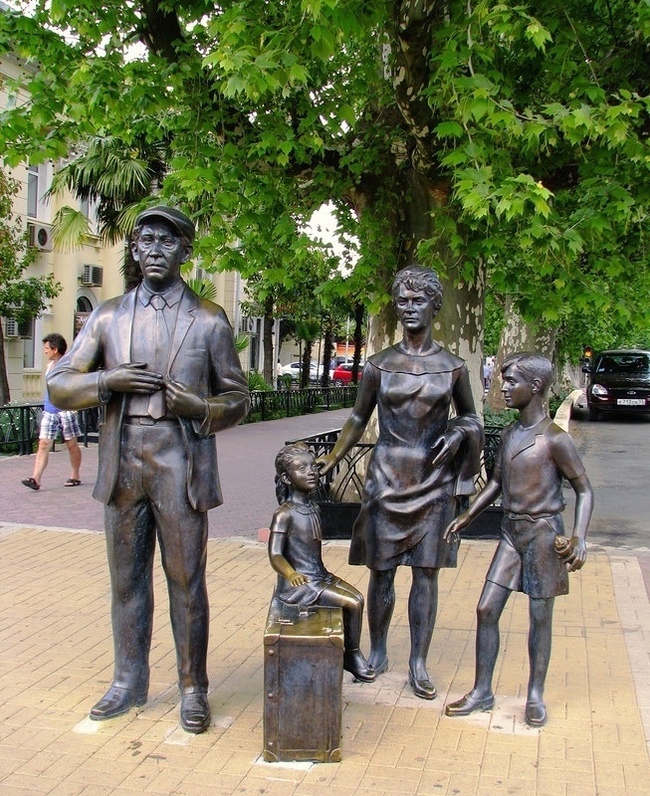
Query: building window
{"points": [[27, 333], [33, 191], [39, 180], [88, 209], [84, 308]]}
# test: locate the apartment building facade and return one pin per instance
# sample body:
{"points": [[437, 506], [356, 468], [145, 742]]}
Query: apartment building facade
{"points": [[88, 274]]}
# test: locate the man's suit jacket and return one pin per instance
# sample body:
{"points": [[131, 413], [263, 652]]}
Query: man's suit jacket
{"points": [[203, 357]]}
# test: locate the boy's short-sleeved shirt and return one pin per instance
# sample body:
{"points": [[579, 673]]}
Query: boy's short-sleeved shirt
{"points": [[531, 465]]}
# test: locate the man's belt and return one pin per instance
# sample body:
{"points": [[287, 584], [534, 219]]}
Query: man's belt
{"points": [[513, 515], [145, 420]]}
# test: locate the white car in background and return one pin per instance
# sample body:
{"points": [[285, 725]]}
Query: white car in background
{"points": [[294, 369]]}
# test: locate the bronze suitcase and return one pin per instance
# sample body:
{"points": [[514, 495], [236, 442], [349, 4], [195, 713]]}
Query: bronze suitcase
{"points": [[303, 677]]}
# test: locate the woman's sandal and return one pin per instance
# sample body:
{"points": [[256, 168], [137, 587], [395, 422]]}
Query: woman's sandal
{"points": [[72, 482]]}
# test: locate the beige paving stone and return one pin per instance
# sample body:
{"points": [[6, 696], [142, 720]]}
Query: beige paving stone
{"points": [[323, 790], [555, 788], [167, 780], [496, 765], [609, 775], [24, 787], [504, 785], [47, 684], [463, 783], [413, 757], [453, 762], [434, 782], [350, 775], [391, 783], [471, 742], [67, 788]]}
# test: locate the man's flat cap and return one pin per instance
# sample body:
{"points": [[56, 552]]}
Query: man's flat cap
{"points": [[179, 221]]}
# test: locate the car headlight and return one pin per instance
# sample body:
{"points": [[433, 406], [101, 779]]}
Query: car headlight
{"points": [[598, 389]]}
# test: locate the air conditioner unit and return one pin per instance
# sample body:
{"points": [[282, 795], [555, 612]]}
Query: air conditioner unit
{"points": [[15, 329], [93, 275], [40, 237], [11, 327]]}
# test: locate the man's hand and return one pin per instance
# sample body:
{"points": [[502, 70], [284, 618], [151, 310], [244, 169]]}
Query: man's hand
{"points": [[131, 377], [183, 402]]}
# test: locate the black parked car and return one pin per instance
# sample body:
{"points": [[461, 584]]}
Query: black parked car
{"points": [[619, 381]]}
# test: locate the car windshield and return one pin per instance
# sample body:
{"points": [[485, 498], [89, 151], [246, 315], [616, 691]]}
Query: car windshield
{"points": [[624, 363]]}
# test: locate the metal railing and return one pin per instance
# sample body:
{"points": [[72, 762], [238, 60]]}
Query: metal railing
{"points": [[339, 492], [345, 481], [271, 404], [20, 424]]}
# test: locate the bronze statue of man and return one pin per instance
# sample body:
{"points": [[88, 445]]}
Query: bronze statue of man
{"points": [[163, 363]]}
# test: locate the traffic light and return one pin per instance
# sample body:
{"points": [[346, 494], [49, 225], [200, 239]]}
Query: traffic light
{"points": [[587, 354]]}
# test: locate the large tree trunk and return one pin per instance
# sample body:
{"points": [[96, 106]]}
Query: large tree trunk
{"points": [[328, 337], [517, 335], [4, 381], [306, 364], [359, 314], [459, 325], [130, 270], [267, 337]]}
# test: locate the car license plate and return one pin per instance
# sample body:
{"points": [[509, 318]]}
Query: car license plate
{"points": [[630, 402]]}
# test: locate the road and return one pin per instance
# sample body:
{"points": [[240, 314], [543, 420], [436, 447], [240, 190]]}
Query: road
{"points": [[615, 455]]}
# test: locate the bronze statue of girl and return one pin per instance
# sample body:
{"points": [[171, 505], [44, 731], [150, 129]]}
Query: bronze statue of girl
{"points": [[295, 553]]}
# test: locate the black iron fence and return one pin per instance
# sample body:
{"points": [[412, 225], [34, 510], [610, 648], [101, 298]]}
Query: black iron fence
{"points": [[19, 424], [273, 404], [19, 427], [339, 492]]}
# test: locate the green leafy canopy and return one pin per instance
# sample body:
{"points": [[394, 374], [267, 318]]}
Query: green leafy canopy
{"points": [[495, 141]]}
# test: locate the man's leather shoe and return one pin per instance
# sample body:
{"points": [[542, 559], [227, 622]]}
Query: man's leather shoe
{"points": [[469, 704], [535, 713], [116, 701], [424, 689], [195, 712]]}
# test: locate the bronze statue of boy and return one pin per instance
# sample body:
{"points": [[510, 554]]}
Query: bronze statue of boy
{"points": [[534, 457]]}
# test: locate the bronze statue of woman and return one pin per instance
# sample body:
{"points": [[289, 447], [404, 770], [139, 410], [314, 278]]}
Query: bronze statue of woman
{"points": [[423, 462]]}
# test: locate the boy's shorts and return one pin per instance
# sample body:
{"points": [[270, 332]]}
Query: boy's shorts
{"points": [[51, 422], [525, 559]]}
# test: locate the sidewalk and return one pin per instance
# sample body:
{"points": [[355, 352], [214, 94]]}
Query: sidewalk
{"points": [[56, 660], [246, 469]]}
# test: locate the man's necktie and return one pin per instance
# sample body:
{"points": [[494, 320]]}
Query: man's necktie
{"points": [[156, 407]]}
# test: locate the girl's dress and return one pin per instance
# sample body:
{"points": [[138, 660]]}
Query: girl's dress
{"points": [[303, 550]]}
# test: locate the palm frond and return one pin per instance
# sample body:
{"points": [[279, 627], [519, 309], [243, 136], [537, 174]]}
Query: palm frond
{"points": [[70, 229], [122, 225], [204, 288], [241, 342]]}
